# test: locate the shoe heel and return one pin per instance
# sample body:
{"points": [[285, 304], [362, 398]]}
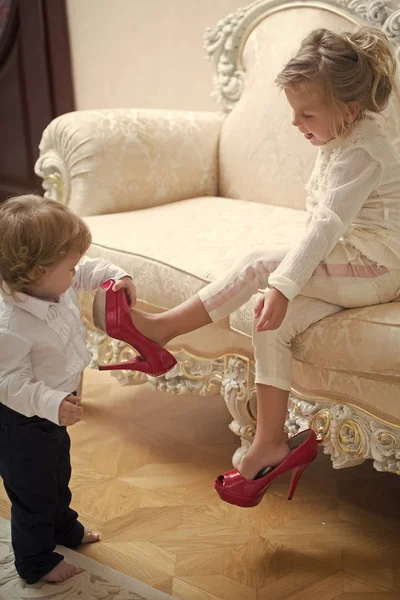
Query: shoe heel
{"points": [[136, 364], [139, 364], [296, 474]]}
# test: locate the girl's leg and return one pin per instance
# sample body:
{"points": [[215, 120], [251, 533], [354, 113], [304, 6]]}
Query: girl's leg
{"points": [[269, 447], [273, 355], [214, 302], [345, 278], [163, 327]]}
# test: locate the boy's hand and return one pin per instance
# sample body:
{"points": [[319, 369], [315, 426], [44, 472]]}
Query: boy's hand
{"points": [[271, 310], [70, 411], [127, 284]]}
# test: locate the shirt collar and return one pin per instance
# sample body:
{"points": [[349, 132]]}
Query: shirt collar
{"points": [[37, 307], [368, 126]]}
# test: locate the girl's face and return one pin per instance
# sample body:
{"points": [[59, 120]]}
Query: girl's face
{"points": [[313, 118], [57, 279]]}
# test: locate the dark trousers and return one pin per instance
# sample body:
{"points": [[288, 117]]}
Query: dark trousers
{"points": [[36, 469]]}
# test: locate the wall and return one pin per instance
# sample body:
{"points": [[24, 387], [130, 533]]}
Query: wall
{"points": [[143, 53]]}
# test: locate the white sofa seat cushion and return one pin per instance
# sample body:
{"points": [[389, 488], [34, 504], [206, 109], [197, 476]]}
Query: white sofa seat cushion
{"points": [[173, 250]]}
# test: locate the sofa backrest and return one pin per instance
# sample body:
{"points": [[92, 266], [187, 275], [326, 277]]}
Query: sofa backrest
{"points": [[262, 157]]}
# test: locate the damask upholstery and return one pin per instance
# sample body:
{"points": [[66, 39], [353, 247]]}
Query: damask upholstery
{"points": [[118, 160], [353, 357], [175, 198]]}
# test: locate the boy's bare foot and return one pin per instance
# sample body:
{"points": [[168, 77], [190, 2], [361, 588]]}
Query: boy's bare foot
{"points": [[89, 537], [61, 572]]}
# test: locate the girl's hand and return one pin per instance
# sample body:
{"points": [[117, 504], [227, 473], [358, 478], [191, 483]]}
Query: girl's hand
{"points": [[127, 284], [271, 310], [70, 411]]}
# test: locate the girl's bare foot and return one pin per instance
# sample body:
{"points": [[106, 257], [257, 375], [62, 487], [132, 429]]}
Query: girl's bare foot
{"points": [[90, 537], [150, 325], [164, 327], [260, 456], [61, 572]]}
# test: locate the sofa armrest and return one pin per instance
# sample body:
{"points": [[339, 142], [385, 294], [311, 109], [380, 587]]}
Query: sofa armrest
{"points": [[108, 161]]}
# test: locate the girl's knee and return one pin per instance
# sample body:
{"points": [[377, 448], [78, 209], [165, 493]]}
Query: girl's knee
{"points": [[251, 258], [292, 325], [257, 264], [263, 341]]}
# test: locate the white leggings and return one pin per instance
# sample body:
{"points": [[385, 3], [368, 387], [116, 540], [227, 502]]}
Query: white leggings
{"points": [[346, 279]]}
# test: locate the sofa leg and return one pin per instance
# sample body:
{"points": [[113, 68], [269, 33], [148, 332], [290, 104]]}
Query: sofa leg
{"points": [[239, 393]]}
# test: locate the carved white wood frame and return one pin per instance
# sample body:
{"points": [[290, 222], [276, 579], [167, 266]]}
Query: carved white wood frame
{"points": [[224, 43]]}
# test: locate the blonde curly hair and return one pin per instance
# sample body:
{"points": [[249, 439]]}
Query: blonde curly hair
{"points": [[344, 67], [36, 234]]}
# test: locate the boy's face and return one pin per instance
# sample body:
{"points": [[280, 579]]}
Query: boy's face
{"points": [[57, 279]]}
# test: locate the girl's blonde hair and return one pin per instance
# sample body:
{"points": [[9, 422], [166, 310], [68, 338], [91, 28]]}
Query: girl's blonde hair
{"points": [[36, 234], [354, 66]]}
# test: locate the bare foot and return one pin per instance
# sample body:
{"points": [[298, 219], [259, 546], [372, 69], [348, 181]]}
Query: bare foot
{"points": [[150, 325], [61, 572], [259, 457], [89, 537]]}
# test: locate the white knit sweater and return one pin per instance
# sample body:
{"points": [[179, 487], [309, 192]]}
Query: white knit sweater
{"points": [[353, 195]]}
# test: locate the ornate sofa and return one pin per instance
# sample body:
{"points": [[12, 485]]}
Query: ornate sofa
{"points": [[175, 197]]}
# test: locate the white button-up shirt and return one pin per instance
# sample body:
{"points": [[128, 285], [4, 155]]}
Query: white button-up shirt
{"points": [[42, 344]]}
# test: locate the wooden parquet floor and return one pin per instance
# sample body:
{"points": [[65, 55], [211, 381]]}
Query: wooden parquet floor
{"points": [[143, 471]]}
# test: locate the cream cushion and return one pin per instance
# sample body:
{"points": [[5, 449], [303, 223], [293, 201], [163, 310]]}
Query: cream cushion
{"points": [[352, 356]]}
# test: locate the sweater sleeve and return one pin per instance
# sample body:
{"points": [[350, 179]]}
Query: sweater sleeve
{"points": [[92, 272], [18, 388], [351, 180]]}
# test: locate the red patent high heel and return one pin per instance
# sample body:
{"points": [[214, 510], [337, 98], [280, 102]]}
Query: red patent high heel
{"points": [[111, 313], [232, 487]]}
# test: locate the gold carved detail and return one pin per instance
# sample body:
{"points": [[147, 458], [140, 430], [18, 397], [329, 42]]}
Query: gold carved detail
{"points": [[330, 401], [351, 438], [387, 440], [55, 181], [320, 423]]}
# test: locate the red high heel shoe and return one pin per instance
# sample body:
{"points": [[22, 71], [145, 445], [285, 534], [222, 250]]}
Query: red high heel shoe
{"points": [[232, 487], [111, 313]]}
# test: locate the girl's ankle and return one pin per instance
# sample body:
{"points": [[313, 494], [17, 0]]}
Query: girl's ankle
{"points": [[269, 443]]}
